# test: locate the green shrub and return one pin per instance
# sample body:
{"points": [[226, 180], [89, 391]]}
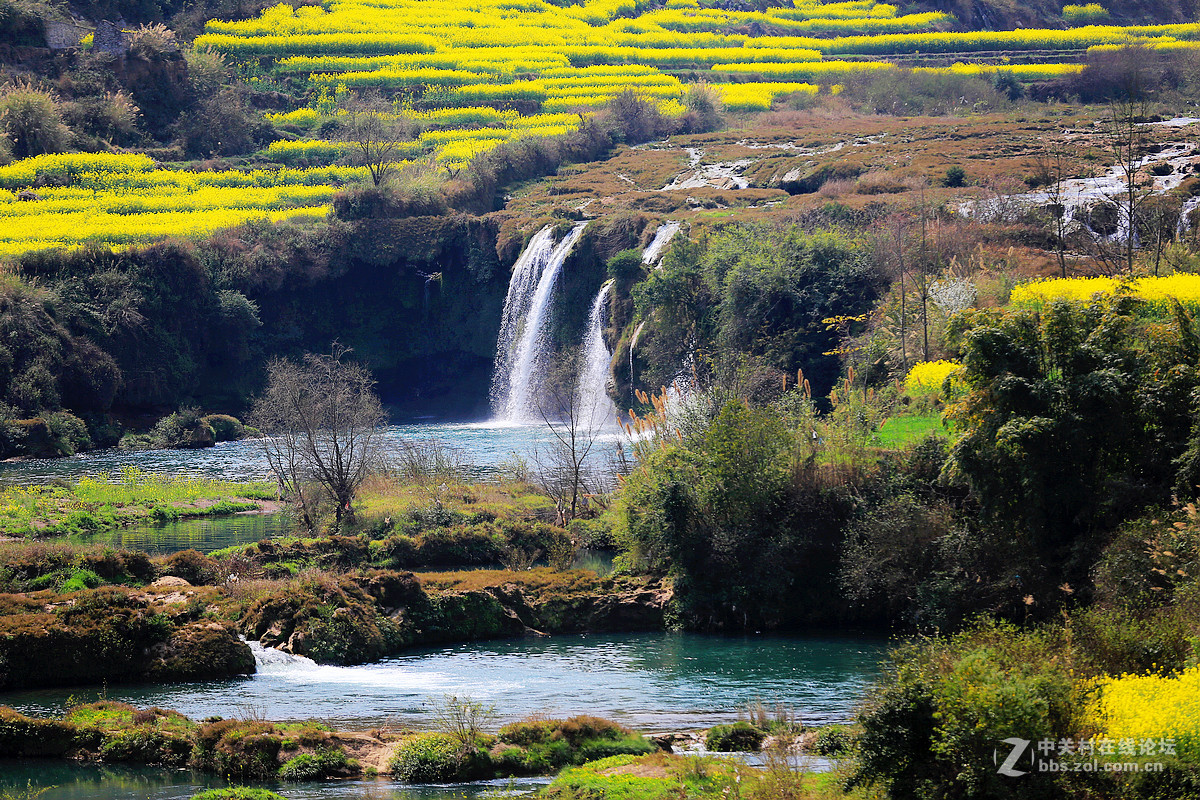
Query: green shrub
{"points": [[539, 746], [324, 763], [185, 429], [834, 741], [81, 579], [739, 737], [237, 793], [437, 758], [225, 428], [32, 121], [931, 728], [955, 176]]}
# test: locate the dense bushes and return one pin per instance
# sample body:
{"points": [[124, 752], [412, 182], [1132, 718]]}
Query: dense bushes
{"points": [[720, 512], [438, 758], [736, 738], [751, 290], [931, 728], [538, 746]]}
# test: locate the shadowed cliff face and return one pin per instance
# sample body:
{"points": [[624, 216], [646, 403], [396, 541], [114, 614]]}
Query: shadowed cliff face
{"points": [[418, 300]]}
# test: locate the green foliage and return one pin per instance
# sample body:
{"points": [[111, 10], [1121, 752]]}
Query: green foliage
{"points": [[33, 122], [834, 741], [738, 737], [184, 429], [237, 793], [1073, 421], [626, 265], [437, 758], [753, 290], [323, 763], [239, 749], [539, 746], [224, 427], [956, 176], [718, 512], [932, 726]]}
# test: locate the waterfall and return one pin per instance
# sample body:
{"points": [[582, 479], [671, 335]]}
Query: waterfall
{"points": [[658, 244], [523, 341], [594, 409]]}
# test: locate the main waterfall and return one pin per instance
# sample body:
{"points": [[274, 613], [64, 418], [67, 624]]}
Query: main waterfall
{"points": [[593, 407], [521, 348]]}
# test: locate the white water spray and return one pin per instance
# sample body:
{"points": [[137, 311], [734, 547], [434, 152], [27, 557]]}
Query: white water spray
{"points": [[658, 245], [521, 349], [594, 408]]}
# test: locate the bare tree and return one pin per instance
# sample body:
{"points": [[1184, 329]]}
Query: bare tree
{"points": [[1126, 142], [375, 138], [322, 420], [1051, 168], [564, 469]]}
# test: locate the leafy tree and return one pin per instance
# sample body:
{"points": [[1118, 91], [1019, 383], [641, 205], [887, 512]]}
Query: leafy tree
{"points": [[715, 512], [1074, 419]]}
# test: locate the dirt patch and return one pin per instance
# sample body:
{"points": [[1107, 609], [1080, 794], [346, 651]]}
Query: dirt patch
{"points": [[640, 769], [370, 751]]}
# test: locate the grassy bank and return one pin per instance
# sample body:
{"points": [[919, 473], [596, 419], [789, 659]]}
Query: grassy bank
{"points": [[132, 496]]}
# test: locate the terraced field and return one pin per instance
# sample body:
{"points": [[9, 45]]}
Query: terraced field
{"points": [[466, 77]]}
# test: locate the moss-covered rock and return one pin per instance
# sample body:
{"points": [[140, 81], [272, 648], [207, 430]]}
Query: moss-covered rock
{"points": [[238, 748], [22, 736], [738, 737], [329, 620], [198, 651], [238, 793], [111, 634]]}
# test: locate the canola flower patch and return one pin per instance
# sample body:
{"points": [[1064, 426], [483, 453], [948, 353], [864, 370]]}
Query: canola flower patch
{"points": [[1184, 287], [468, 76], [121, 200], [1152, 707], [930, 376]]}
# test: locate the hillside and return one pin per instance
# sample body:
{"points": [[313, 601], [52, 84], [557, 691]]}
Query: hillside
{"points": [[184, 204]]}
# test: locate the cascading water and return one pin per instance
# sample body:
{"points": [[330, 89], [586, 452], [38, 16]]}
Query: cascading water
{"points": [[662, 237], [521, 349], [594, 408]]}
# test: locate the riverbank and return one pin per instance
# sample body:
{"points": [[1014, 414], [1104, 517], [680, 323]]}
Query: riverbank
{"points": [[95, 504], [581, 750]]}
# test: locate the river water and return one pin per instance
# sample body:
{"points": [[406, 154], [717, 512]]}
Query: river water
{"points": [[659, 681], [482, 446], [649, 681]]}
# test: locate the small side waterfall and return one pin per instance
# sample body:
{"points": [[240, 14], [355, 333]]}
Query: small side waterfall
{"points": [[522, 344], [594, 408], [662, 237]]}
